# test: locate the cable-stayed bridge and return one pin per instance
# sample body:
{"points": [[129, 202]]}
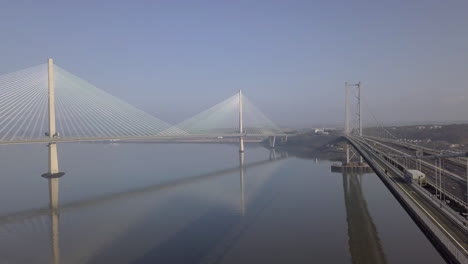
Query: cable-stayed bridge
{"points": [[47, 104]]}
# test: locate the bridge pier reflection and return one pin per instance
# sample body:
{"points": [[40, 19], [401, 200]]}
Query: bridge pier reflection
{"points": [[241, 124], [241, 176], [53, 163], [272, 141], [272, 154], [54, 218], [53, 159], [363, 239]]}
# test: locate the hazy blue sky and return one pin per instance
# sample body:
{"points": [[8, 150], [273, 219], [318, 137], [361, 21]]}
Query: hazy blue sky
{"points": [[291, 58]]}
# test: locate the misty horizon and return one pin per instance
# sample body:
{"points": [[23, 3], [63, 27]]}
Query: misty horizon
{"points": [[291, 59]]}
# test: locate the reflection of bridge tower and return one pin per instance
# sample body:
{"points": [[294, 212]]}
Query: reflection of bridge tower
{"points": [[54, 218], [241, 175], [272, 141], [364, 243], [241, 124], [272, 154], [53, 174]]}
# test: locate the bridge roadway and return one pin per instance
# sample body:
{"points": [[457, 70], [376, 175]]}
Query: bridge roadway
{"points": [[448, 189], [447, 233], [159, 138], [452, 183], [457, 165]]}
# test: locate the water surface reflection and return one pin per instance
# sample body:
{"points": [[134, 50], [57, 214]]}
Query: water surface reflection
{"points": [[190, 204], [89, 244], [54, 218], [364, 241]]}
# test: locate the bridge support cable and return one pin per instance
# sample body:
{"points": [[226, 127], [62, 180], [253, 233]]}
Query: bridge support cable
{"points": [[379, 124], [353, 116], [100, 114], [224, 118], [24, 99], [80, 110]]}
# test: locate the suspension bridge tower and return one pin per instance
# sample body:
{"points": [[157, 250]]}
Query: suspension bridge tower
{"points": [[353, 126]]}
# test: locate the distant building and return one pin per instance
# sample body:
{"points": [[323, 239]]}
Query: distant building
{"points": [[320, 131]]}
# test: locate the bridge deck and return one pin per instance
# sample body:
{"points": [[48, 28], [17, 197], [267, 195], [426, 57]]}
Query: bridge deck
{"points": [[138, 138], [452, 184], [447, 234]]}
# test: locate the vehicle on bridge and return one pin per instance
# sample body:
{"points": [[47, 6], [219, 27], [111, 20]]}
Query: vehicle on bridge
{"points": [[416, 176]]}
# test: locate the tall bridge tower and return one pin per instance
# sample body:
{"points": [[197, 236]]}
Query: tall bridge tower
{"points": [[353, 120], [53, 160], [241, 124], [353, 113]]}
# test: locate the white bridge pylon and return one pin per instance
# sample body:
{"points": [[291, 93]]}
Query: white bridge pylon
{"points": [[84, 112], [226, 117]]}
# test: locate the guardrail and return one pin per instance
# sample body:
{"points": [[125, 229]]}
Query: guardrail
{"points": [[430, 182], [446, 244]]}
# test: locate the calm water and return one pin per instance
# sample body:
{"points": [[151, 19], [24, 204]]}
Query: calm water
{"points": [[188, 203]]}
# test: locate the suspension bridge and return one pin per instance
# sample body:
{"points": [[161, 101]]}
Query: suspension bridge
{"points": [[437, 202]]}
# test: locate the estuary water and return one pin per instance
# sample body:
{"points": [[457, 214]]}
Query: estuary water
{"points": [[196, 203]]}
